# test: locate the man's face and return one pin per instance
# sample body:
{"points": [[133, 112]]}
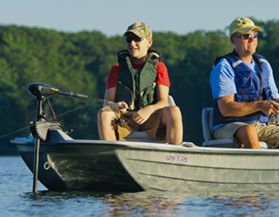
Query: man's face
{"points": [[245, 44], [138, 47]]}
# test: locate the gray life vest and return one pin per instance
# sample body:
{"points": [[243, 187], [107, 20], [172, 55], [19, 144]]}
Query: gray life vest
{"points": [[137, 87]]}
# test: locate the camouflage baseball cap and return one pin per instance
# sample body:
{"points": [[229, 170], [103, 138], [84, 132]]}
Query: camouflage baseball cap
{"points": [[243, 25], [141, 30]]}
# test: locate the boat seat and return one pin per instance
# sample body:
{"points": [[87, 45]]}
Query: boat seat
{"points": [[142, 136], [207, 130]]}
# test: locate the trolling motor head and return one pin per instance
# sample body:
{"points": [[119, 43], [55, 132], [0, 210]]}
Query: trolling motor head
{"points": [[42, 90]]}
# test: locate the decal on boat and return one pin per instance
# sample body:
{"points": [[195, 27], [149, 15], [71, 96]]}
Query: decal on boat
{"points": [[176, 158]]}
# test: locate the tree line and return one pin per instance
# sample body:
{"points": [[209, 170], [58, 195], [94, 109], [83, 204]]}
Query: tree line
{"points": [[80, 62]]}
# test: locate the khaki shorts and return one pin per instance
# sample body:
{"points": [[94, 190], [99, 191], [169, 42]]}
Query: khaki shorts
{"points": [[228, 131], [266, 133], [153, 126]]}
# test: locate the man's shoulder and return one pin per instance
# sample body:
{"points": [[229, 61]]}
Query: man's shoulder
{"points": [[227, 57], [161, 64], [223, 61], [222, 71], [115, 66], [260, 58], [161, 67], [114, 69], [222, 65]]}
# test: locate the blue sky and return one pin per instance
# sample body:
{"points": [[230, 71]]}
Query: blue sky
{"points": [[113, 16]]}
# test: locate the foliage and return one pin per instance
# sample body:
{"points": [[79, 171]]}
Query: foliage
{"points": [[80, 61]]}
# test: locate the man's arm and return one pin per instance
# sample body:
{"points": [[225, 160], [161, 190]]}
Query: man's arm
{"points": [[230, 108], [162, 97], [144, 113], [110, 94], [110, 97]]}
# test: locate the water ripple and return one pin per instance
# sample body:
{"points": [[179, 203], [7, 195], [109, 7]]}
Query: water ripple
{"points": [[18, 200]]}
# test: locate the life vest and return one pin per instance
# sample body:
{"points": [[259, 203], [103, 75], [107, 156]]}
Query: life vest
{"points": [[249, 87], [137, 87]]}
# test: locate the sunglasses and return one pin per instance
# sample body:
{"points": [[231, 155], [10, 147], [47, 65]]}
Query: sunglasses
{"points": [[132, 38], [248, 36]]}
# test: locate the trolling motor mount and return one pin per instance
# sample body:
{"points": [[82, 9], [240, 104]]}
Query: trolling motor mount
{"points": [[40, 129]]}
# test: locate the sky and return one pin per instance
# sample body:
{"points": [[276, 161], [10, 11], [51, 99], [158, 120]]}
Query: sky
{"points": [[112, 17]]}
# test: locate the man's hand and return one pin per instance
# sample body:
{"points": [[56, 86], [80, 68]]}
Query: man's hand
{"points": [[269, 107], [116, 106], [122, 106], [230, 108], [143, 114]]}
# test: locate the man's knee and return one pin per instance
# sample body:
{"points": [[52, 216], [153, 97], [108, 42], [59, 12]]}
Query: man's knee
{"points": [[105, 114], [246, 131], [173, 111], [248, 136], [171, 114], [247, 128]]}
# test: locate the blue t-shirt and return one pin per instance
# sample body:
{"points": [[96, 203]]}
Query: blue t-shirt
{"points": [[222, 79]]}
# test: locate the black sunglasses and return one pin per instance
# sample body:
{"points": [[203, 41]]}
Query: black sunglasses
{"points": [[248, 36], [129, 39]]}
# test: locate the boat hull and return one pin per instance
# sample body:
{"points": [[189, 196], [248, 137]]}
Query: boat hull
{"points": [[204, 170], [66, 167], [133, 166]]}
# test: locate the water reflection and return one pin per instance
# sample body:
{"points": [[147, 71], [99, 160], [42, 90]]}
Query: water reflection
{"points": [[145, 204], [116, 204], [157, 204], [16, 200], [243, 203]]}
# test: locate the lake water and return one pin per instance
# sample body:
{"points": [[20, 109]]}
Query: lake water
{"points": [[17, 200]]}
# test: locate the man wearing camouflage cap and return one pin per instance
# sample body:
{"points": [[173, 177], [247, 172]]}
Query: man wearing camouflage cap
{"points": [[244, 91], [139, 84]]}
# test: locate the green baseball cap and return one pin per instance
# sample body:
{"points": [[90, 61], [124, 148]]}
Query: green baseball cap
{"points": [[243, 25], [141, 30]]}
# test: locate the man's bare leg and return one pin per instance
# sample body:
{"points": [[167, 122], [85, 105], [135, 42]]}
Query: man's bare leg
{"points": [[105, 127], [248, 136], [172, 118]]}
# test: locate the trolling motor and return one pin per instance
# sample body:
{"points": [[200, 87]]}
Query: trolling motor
{"points": [[40, 127]]}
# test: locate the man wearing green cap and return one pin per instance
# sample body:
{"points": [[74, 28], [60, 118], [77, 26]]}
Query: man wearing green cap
{"points": [[244, 91], [139, 84]]}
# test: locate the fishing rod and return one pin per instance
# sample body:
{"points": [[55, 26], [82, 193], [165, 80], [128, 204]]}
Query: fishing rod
{"points": [[116, 106]]}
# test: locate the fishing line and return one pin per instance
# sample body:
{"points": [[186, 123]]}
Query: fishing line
{"points": [[72, 110], [13, 132], [55, 116]]}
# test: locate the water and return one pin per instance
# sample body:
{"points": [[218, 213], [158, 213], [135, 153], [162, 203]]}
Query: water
{"points": [[16, 199]]}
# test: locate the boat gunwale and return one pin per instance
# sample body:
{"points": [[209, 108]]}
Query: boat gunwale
{"points": [[153, 146]]}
